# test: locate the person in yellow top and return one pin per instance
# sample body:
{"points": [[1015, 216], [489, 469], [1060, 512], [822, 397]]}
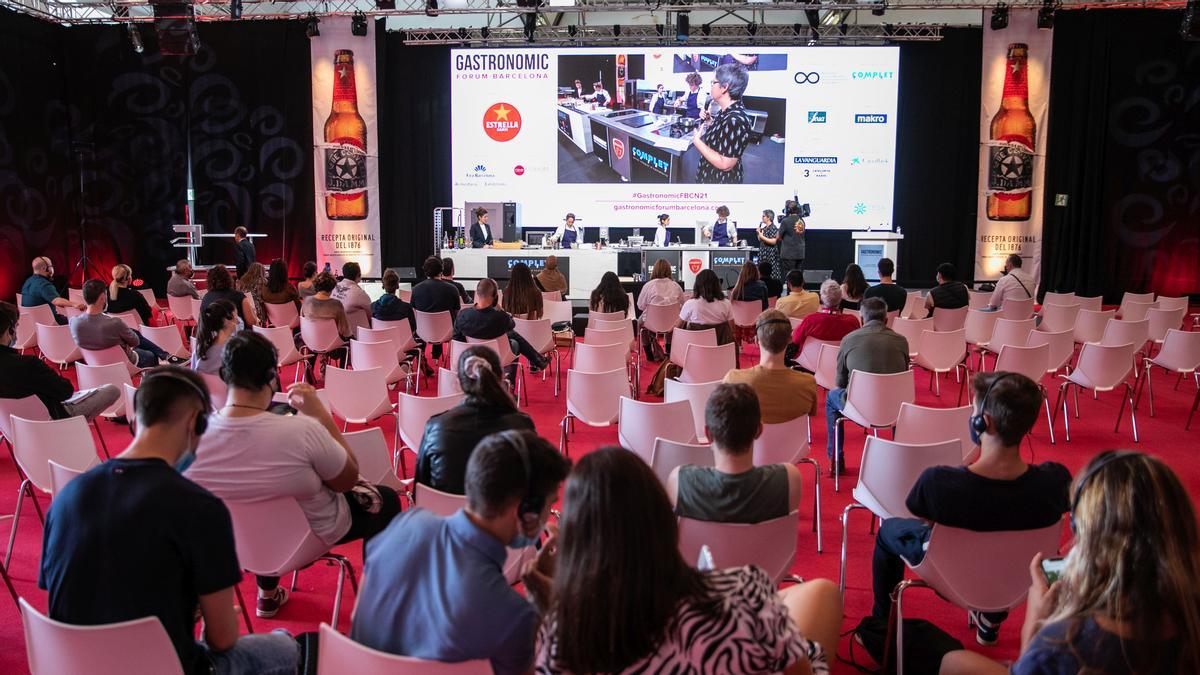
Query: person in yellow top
{"points": [[783, 394], [798, 303]]}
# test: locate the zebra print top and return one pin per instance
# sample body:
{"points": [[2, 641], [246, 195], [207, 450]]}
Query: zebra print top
{"points": [[751, 633]]}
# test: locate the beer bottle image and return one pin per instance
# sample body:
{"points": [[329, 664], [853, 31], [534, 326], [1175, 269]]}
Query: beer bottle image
{"points": [[1011, 144], [345, 146]]}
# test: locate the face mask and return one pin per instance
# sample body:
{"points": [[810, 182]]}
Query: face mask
{"points": [[522, 540], [185, 460]]}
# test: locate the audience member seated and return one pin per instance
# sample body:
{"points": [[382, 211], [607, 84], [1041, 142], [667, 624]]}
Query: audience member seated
{"points": [[220, 287], [783, 394], [734, 490], [180, 284], [132, 538], [521, 296], [748, 286], [798, 303], [217, 324], [434, 294], [708, 308], [484, 321], [550, 279], [830, 324], [1016, 284], [389, 306], [22, 376], [774, 284], [853, 287], [661, 289], [38, 289], [895, 296], [450, 571], [448, 277], [278, 290], [1126, 601], [353, 297], [323, 305], [998, 492], [450, 437], [122, 298], [616, 595], [949, 293], [304, 287], [609, 296], [874, 348], [251, 284], [251, 454], [96, 330]]}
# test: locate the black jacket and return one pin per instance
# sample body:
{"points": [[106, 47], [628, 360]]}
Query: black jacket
{"points": [[22, 376], [451, 437], [477, 238], [243, 255], [791, 245]]}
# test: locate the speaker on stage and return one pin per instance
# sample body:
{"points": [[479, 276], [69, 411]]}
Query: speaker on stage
{"points": [[510, 221]]}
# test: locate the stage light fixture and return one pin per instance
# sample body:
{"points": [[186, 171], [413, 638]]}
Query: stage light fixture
{"points": [[797, 28], [1000, 16], [385, 5], [706, 29], [616, 30], [879, 9], [464, 33], [235, 9], [135, 37], [752, 29], [1189, 28], [572, 31], [484, 32], [1045, 18], [312, 30], [431, 7], [683, 27], [358, 24], [660, 29]]}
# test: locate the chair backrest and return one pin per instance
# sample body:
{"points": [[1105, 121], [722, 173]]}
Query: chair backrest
{"points": [[941, 351], [357, 395], [1103, 367], [890, 469], [218, 391], [109, 356], [1010, 332], [695, 393], [339, 654], [381, 355], [556, 311], [770, 544], [1136, 311], [911, 329], [1056, 318], [596, 336], [980, 325], [26, 337], [90, 377], [640, 422], [975, 299], [61, 475], [56, 343], [127, 395], [591, 358], [1172, 303], [810, 351], [1180, 351], [1163, 320], [875, 398], [1062, 347], [661, 318], [984, 571], [783, 443], [457, 347], [914, 306], [1129, 298], [681, 338], [285, 344], [441, 503], [148, 294], [39, 314], [556, 296], [181, 307], [501, 346], [434, 327], [826, 372], [448, 382], [705, 364], [30, 408], [595, 398], [1032, 362], [130, 318], [622, 327], [415, 411], [537, 332], [320, 335], [745, 312], [1016, 310], [945, 320], [374, 460], [1059, 299], [167, 338], [67, 441], [73, 294], [667, 454], [594, 316], [380, 334], [283, 314], [137, 646], [1120, 331], [272, 536], [403, 332], [1089, 304], [1089, 325], [918, 425]]}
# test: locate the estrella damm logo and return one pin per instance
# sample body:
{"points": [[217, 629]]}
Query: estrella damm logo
{"points": [[502, 122]]}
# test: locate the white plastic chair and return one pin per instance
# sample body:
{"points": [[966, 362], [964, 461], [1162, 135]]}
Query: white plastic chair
{"points": [[914, 306], [810, 352], [339, 654], [942, 352], [1062, 348], [402, 330], [114, 354], [1016, 310], [413, 412], [29, 407], [1164, 320], [360, 396], [448, 382], [911, 329], [696, 394], [1089, 304], [1059, 299], [949, 320], [640, 423], [705, 364], [1180, 354], [320, 336], [37, 314], [660, 320], [1128, 299], [57, 345], [1100, 368], [788, 443], [374, 463], [872, 402], [90, 377], [1056, 318], [131, 319], [168, 339], [539, 334], [980, 326], [180, 307], [1007, 332], [770, 544], [503, 349], [590, 358], [433, 328], [60, 476], [137, 646], [594, 399], [283, 314], [390, 334], [1032, 362], [918, 425], [556, 296], [976, 299], [593, 316], [26, 337], [381, 355], [826, 372], [1120, 331], [1089, 325], [1167, 303], [681, 338], [285, 348], [667, 455]]}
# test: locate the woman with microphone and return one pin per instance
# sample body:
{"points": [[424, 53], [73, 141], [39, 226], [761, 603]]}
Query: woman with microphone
{"points": [[566, 234]]}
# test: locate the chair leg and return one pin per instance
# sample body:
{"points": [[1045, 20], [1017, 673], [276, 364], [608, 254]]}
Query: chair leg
{"points": [[342, 564], [562, 439], [557, 370], [8, 583], [399, 453], [839, 439], [237, 592], [1195, 404], [962, 380], [12, 535], [295, 577], [1049, 421], [1132, 412], [898, 601], [816, 497], [845, 523]]}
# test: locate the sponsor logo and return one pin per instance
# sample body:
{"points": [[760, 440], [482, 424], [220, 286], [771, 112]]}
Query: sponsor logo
{"points": [[694, 264], [502, 62], [814, 160], [479, 168], [345, 168], [728, 260], [807, 78], [519, 170], [864, 161], [816, 117], [1010, 166], [870, 118], [860, 209], [618, 148], [480, 171], [872, 75], [502, 122], [646, 159]]}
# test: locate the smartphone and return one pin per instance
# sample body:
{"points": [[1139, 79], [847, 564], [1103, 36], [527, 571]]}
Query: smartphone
{"points": [[1052, 569], [705, 561]]}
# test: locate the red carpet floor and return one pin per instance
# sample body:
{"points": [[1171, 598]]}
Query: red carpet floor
{"points": [[312, 602]]}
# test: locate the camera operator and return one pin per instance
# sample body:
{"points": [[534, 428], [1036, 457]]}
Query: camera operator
{"points": [[791, 237]]}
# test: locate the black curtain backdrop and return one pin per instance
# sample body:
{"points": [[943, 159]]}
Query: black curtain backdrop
{"points": [[1124, 146]]}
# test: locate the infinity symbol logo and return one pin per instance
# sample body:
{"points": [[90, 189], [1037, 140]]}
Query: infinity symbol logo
{"points": [[808, 78]]}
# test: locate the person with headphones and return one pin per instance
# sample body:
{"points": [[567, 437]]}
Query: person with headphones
{"points": [[435, 588], [39, 289], [999, 491], [132, 537], [251, 454]]}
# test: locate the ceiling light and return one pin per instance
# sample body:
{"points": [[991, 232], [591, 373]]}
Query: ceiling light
{"points": [[358, 24], [311, 30], [431, 7], [1045, 18], [1000, 16], [135, 37], [235, 9]]}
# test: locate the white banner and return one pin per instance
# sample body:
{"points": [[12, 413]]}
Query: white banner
{"points": [[1014, 102], [345, 147]]}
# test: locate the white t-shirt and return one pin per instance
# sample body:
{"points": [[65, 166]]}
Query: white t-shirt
{"points": [[698, 310], [659, 292], [1016, 285], [266, 456], [662, 237]]}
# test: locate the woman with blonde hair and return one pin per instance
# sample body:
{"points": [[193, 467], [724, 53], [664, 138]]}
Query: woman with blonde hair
{"points": [[1128, 600], [251, 283], [122, 298]]}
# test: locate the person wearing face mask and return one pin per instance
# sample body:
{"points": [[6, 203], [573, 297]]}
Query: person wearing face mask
{"points": [[250, 454], [450, 571], [998, 492], [1016, 284], [181, 533]]}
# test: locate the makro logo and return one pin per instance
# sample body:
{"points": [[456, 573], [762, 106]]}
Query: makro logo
{"points": [[659, 165], [816, 117], [870, 118], [502, 122], [807, 78], [814, 160], [872, 75], [618, 148]]}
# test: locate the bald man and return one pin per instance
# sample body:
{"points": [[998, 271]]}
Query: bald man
{"points": [[38, 289], [180, 284]]}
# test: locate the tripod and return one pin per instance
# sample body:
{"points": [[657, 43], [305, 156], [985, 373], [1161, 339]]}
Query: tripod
{"points": [[84, 263]]}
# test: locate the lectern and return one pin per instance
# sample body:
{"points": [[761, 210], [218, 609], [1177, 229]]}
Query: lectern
{"points": [[870, 246]]}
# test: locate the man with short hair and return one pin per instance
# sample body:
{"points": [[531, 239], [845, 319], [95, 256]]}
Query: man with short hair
{"points": [[180, 284], [783, 394], [895, 296], [132, 538], [830, 324], [484, 320], [434, 294], [450, 571], [353, 297], [243, 251], [96, 330], [38, 289], [949, 293], [22, 376], [734, 490], [798, 303], [1016, 284], [874, 348], [998, 492]]}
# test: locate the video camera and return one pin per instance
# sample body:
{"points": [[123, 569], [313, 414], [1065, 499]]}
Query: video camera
{"points": [[804, 209]]}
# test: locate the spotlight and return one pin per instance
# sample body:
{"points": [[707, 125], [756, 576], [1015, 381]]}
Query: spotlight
{"points": [[311, 30], [1000, 16], [752, 29], [235, 9], [1189, 28], [135, 37], [706, 29], [385, 4], [660, 29], [358, 24], [485, 32], [1045, 18], [530, 21], [572, 31], [797, 28], [431, 7], [463, 34], [879, 9], [616, 30], [683, 26]]}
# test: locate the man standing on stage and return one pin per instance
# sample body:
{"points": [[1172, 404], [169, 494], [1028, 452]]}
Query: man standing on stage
{"points": [[791, 239], [243, 251], [722, 139]]}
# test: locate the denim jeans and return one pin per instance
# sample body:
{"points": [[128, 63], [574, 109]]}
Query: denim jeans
{"points": [[835, 400], [274, 653]]}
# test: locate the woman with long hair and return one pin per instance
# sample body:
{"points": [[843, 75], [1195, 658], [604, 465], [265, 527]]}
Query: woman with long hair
{"points": [[609, 296], [251, 284], [708, 308], [661, 289], [216, 323], [522, 298], [550, 279], [279, 291], [620, 598], [1128, 600], [305, 287], [854, 284], [122, 298], [219, 283], [749, 286]]}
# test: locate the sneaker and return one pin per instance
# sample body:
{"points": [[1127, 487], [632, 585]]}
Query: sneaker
{"points": [[175, 360], [535, 368], [986, 633], [269, 606]]}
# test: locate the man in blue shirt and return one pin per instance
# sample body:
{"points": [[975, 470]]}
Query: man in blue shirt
{"points": [[39, 290], [434, 588]]}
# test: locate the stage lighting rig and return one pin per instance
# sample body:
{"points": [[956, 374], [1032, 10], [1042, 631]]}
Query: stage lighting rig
{"points": [[135, 37], [1189, 28], [1045, 17], [235, 9], [312, 29], [879, 9], [683, 26], [385, 5], [1000, 16], [431, 7], [358, 24]]}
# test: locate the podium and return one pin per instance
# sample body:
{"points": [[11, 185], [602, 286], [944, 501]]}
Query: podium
{"points": [[870, 246]]}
